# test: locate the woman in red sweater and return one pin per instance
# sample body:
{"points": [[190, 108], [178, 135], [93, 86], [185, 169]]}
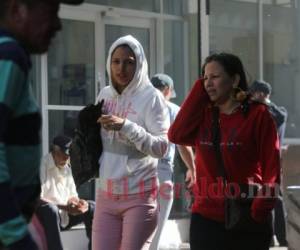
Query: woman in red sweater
{"points": [[249, 151]]}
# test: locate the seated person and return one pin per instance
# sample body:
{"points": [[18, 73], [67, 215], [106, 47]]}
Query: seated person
{"points": [[60, 207]]}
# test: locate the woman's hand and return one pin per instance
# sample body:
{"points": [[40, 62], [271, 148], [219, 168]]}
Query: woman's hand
{"points": [[190, 178], [111, 122]]}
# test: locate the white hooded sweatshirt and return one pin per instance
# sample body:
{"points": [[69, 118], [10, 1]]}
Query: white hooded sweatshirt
{"points": [[128, 164]]}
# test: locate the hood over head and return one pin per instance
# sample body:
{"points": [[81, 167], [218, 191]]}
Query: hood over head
{"points": [[141, 73]]}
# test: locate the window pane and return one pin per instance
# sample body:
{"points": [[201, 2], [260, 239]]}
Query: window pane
{"points": [[173, 7], [173, 66], [71, 65], [64, 122], [149, 5], [193, 42], [282, 60], [174, 57], [234, 28]]}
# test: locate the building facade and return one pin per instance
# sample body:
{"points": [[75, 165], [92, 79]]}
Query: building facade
{"points": [[176, 35]]}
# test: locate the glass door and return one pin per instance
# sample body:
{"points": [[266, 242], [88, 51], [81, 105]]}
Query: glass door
{"points": [[232, 26], [71, 74], [68, 72]]}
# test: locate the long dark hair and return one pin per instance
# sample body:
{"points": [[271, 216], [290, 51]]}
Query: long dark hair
{"points": [[232, 66]]}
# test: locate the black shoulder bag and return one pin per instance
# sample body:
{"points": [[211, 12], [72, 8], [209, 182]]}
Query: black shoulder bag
{"points": [[237, 202]]}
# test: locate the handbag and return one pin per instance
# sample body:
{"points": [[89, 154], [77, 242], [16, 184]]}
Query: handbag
{"points": [[237, 206]]}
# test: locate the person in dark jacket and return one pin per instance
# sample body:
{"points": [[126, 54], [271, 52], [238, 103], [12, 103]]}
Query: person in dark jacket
{"points": [[261, 91]]}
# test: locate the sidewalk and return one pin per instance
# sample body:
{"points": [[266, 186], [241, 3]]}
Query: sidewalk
{"points": [[185, 246], [75, 238], [179, 240]]}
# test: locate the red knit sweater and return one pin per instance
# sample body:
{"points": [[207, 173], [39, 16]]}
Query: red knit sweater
{"points": [[249, 146]]}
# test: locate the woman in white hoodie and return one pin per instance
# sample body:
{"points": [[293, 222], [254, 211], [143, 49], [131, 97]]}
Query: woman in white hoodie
{"points": [[133, 134]]}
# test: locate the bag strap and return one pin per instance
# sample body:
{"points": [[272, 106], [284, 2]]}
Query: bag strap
{"points": [[216, 138]]}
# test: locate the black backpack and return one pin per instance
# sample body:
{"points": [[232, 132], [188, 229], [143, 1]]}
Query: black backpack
{"points": [[86, 147]]}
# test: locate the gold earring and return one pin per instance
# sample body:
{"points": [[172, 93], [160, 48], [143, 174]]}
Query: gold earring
{"points": [[238, 94]]}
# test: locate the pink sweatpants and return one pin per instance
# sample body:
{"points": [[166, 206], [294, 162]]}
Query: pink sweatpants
{"points": [[124, 222]]}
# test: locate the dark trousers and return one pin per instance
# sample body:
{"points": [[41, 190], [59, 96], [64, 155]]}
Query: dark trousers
{"points": [[48, 215], [207, 234], [279, 222]]}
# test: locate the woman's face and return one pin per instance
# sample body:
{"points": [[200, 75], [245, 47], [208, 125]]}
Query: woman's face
{"points": [[218, 83], [123, 66]]}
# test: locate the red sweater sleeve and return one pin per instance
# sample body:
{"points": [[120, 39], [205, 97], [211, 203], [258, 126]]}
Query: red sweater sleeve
{"points": [[184, 129], [269, 156]]}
